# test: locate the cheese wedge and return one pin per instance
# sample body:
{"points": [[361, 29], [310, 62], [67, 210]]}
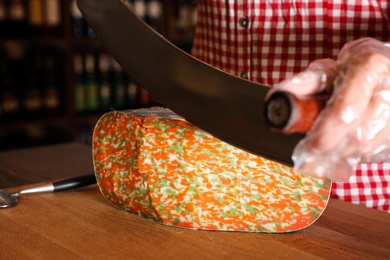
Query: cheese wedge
{"points": [[153, 163]]}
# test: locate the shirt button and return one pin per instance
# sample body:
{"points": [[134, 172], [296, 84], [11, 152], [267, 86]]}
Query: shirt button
{"points": [[244, 22], [244, 75]]}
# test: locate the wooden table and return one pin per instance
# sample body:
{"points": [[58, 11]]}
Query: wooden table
{"points": [[81, 224]]}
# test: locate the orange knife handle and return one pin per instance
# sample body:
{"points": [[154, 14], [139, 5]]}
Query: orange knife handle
{"points": [[288, 114]]}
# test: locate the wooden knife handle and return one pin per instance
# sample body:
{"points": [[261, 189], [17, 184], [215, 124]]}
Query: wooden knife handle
{"points": [[288, 114]]}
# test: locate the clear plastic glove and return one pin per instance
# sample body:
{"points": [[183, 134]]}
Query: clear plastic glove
{"points": [[354, 126]]}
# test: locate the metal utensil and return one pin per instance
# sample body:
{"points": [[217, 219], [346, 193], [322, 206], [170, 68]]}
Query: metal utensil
{"points": [[228, 107], [8, 199]]}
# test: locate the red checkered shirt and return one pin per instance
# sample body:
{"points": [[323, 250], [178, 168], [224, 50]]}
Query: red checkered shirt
{"points": [[268, 41]]}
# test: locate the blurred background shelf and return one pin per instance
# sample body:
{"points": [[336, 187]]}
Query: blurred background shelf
{"points": [[57, 79]]}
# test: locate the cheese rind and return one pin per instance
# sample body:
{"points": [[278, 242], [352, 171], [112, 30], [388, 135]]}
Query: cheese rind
{"points": [[161, 167]]}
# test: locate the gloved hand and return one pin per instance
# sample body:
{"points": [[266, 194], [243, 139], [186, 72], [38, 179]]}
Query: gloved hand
{"points": [[354, 126]]}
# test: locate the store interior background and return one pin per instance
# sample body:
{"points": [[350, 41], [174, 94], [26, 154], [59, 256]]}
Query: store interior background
{"points": [[57, 79]]}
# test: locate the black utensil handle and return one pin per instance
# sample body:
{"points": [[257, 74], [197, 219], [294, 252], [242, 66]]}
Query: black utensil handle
{"points": [[74, 183]]}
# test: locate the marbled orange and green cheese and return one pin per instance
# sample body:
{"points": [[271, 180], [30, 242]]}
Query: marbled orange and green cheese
{"points": [[158, 166]]}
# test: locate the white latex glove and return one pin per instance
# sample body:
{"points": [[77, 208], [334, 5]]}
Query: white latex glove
{"points": [[354, 126]]}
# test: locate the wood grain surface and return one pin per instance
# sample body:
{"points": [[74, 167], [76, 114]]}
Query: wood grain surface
{"points": [[80, 224]]}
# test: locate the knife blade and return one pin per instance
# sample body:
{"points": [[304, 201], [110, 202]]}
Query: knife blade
{"points": [[228, 107]]}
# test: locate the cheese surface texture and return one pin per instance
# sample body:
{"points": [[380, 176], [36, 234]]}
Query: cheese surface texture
{"points": [[160, 167]]}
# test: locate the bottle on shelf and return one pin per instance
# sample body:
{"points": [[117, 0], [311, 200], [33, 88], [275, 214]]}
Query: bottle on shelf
{"points": [[52, 16], [17, 18], [154, 14], [132, 91], [52, 82], [140, 8], [79, 83], [104, 82], [118, 87], [35, 17], [80, 26], [78, 22], [32, 88], [10, 93], [4, 15], [91, 84], [186, 23]]}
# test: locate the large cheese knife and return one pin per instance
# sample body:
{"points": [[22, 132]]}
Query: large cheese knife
{"points": [[228, 107]]}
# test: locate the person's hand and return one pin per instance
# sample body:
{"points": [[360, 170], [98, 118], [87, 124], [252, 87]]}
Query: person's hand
{"points": [[354, 127]]}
